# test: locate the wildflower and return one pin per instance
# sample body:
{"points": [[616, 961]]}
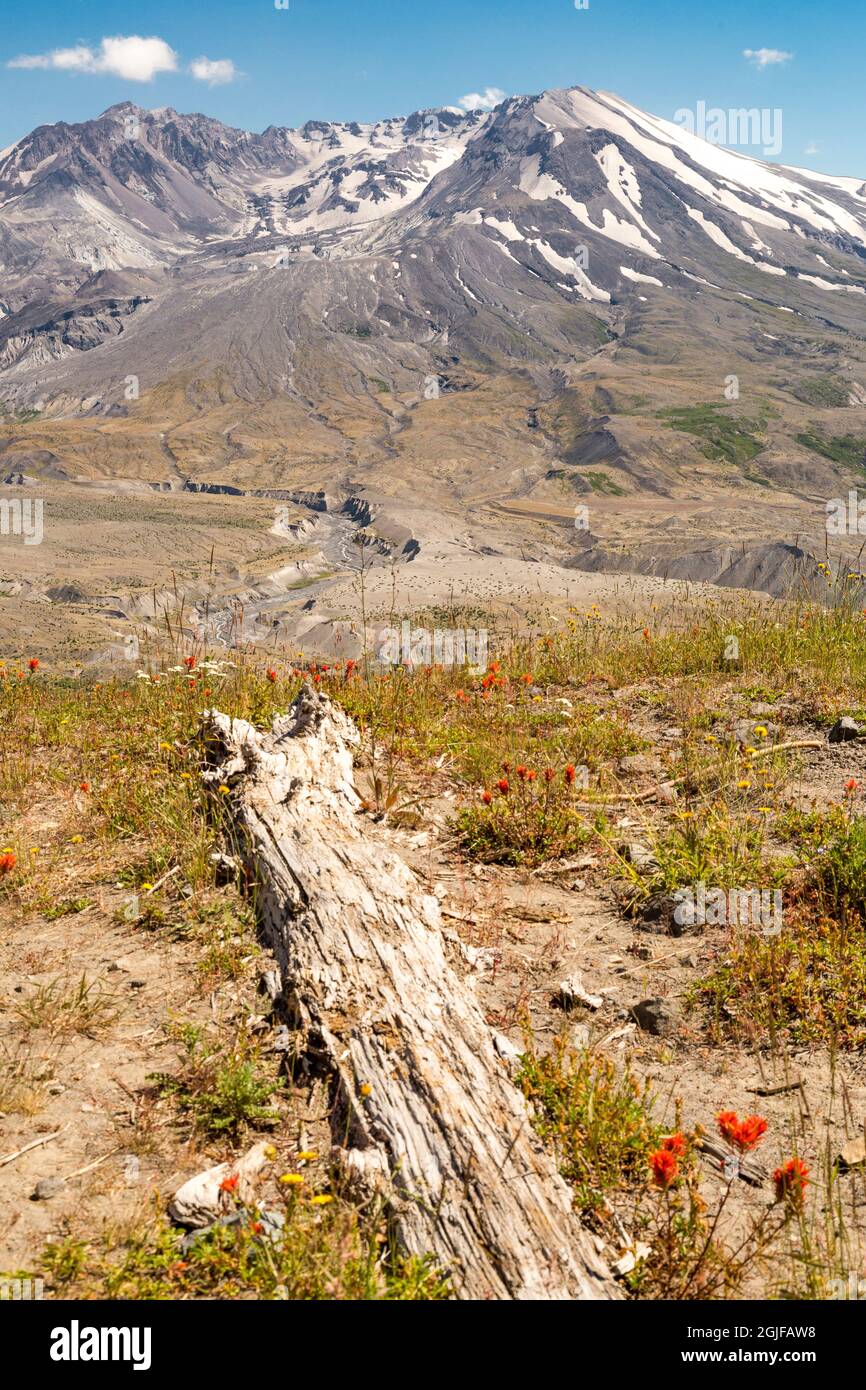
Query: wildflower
{"points": [[744, 784], [791, 1181], [646, 634], [549, 774], [366, 1090], [570, 774], [7, 862], [521, 771], [224, 790], [308, 1156], [189, 662], [760, 731], [486, 797], [84, 786], [229, 1184], [502, 784], [292, 1179], [166, 747], [256, 1228], [674, 1144], [531, 776], [271, 674], [741, 1134], [664, 1166], [146, 887], [851, 786], [321, 1200], [76, 839], [33, 664]]}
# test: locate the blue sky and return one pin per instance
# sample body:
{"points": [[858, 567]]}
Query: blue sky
{"points": [[363, 59]]}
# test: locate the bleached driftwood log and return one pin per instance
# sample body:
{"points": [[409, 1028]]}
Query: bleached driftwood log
{"points": [[425, 1110]]}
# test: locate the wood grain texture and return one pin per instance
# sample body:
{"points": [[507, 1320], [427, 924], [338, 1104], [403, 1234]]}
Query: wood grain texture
{"points": [[426, 1112]]}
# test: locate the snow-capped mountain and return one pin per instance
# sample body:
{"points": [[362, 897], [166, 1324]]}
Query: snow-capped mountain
{"points": [[336, 271]]}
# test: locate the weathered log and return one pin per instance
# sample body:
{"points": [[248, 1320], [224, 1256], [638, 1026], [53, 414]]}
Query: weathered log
{"points": [[425, 1111]]}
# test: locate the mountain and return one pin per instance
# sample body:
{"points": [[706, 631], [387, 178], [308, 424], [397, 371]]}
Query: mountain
{"points": [[562, 303]]}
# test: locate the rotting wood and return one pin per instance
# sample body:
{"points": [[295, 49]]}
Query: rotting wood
{"points": [[425, 1112]]}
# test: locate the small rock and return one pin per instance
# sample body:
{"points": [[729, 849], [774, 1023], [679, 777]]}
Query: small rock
{"points": [[640, 857], [640, 763], [535, 690], [578, 885], [656, 1016], [46, 1188], [630, 1259], [853, 1154], [283, 1042], [507, 1051], [746, 736], [571, 991], [844, 731], [667, 793], [226, 867], [271, 984]]}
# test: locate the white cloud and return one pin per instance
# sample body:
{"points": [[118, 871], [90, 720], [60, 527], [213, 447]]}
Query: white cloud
{"points": [[482, 101], [812, 148], [132, 58], [214, 71], [766, 57]]}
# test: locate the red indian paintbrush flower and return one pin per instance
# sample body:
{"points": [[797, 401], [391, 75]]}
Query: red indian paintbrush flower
{"points": [[502, 784], [271, 675], [742, 1134], [487, 797], [570, 774], [664, 1166], [7, 863], [33, 664], [674, 1144], [791, 1181]]}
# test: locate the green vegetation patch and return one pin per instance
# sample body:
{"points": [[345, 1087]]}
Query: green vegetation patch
{"points": [[727, 438]]}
